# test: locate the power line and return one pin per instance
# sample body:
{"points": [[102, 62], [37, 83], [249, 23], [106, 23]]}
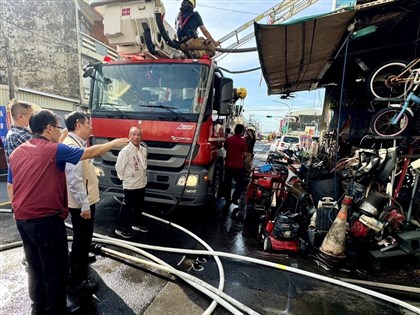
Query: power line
{"points": [[224, 9]]}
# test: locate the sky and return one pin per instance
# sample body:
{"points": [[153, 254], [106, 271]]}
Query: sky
{"points": [[221, 17]]}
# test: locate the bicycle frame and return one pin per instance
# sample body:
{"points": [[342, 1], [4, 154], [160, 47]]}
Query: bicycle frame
{"points": [[393, 80], [410, 98], [407, 68]]}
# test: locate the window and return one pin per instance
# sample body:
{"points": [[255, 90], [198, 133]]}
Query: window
{"points": [[3, 76]]}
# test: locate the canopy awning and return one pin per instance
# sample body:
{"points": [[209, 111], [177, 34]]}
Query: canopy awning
{"points": [[294, 57]]}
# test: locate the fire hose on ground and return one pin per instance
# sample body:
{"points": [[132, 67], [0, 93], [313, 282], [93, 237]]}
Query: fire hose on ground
{"points": [[216, 294]]}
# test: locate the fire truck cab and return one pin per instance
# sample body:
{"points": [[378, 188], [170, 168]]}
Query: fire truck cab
{"points": [[180, 104]]}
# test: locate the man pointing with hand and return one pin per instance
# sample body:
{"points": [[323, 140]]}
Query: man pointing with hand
{"points": [[83, 194], [38, 192]]}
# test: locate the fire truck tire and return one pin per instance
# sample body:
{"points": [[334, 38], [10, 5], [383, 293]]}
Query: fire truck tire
{"points": [[216, 189], [267, 244]]}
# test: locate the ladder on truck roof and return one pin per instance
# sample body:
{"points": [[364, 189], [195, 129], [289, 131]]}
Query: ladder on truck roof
{"points": [[278, 13]]}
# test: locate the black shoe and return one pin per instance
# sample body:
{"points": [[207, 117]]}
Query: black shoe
{"points": [[37, 309], [86, 286], [91, 258]]}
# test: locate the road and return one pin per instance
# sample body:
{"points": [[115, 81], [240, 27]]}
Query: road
{"points": [[125, 287]]}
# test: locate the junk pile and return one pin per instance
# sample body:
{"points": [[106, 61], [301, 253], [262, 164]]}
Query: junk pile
{"points": [[374, 220], [378, 228]]}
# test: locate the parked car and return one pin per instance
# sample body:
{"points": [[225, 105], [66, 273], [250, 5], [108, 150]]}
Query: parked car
{"points": [[286, 142]]}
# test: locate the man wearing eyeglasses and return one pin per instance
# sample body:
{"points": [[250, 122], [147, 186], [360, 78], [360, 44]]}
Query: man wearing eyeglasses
{"points": [[37, 187], [83, 193], [20, 132]]}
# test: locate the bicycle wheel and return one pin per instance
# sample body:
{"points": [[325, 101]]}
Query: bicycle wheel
{"points": [[382, 84], [380, 124]]}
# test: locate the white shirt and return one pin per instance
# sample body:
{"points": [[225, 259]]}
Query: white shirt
{"points": [[131, 166], [74, 176]]}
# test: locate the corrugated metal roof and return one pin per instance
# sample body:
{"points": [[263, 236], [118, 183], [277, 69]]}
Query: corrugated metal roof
{"points": [[45, 100]]}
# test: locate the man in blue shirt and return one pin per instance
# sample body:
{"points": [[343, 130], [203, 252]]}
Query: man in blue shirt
{"points": [[37, 190]]}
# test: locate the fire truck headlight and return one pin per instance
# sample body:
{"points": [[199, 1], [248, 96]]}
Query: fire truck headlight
{"points": [[99, 171], [192, 180]]}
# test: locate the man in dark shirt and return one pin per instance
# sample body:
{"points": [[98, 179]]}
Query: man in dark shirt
{"points": [[19, 132], [188, 23], [37, 190], [236, 149]]}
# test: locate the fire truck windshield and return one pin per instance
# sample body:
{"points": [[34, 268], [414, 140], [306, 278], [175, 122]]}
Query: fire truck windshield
{"points": [[169, 89]]}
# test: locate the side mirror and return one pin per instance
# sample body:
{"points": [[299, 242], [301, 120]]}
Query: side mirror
{"points": [[223, 96], [89, 72]]}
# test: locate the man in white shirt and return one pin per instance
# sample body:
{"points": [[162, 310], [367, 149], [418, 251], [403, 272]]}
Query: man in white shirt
{"points": [[131, 168], [83, 194]]}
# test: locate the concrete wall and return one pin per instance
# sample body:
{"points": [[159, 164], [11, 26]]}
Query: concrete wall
{"points": [[41, 39]]}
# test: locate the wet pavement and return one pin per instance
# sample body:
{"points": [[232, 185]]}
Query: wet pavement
{"points": [[126, 287]]}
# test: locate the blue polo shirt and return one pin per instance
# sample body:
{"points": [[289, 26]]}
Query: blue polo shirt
{"points": [[65, 154]]}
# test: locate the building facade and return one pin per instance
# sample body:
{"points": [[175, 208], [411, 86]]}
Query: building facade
{"points": [[45, 46]]}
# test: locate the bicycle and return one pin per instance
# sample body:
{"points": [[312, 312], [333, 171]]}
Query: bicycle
{"points": [[392, 79], [396, 118]]}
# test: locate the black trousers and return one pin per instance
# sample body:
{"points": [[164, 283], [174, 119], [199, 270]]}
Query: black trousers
{"points": [[131, 208], [82, 238], [45, 245], [237, 174]]}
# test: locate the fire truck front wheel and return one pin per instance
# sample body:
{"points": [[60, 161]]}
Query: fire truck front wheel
{"points": [[217, 182]]}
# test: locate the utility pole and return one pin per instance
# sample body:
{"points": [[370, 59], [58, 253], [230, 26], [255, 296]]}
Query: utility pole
{"points": [[9, 69], [288, 115]]}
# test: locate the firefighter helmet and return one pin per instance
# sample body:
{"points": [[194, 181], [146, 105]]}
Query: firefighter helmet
{"points": [[241, 92], [188, 3]]}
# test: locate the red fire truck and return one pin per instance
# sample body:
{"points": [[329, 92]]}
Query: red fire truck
{"points": [[181, 104]]}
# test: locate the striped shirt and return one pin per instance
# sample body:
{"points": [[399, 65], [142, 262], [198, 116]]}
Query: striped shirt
{"points": [[14, 138]]}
